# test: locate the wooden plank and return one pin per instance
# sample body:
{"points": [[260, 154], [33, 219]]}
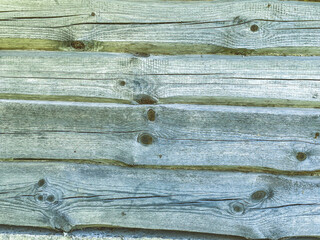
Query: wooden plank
{"points": [[15, 236], [27, 233], [167, 135], [122, 78], [70, 196], [166, 27]]}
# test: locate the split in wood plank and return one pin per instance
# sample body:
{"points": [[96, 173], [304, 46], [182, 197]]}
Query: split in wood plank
{"points": [[162, 27], [70, 196], [161, 135], [124, 78]]}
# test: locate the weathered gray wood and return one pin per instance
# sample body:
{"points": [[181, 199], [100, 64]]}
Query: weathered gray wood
{"points": [[231, 80], [67, 196], [186, 135], [26, 233], [226, 24]]}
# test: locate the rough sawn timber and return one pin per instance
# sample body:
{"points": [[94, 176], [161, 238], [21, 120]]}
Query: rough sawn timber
{"points": [[165, 27], [178, 135], [68, 196], [124, 78]]}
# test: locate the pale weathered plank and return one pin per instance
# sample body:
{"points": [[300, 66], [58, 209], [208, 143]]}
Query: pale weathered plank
{"points": [[177, 135], [39, 236], [27, 233], [104, 77], [67, 196], [162, 26]]}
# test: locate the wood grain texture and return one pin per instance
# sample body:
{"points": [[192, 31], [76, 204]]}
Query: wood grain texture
{"points": [[107, 233], [122, 78], [178, 135], [69, 196], [239, 27]]}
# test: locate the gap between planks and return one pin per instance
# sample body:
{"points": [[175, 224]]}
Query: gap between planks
{"points": [[217, 168]]}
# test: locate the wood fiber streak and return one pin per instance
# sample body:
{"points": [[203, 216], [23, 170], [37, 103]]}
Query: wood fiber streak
{"points": [[66, 196], [180, 135], [162, 27]]}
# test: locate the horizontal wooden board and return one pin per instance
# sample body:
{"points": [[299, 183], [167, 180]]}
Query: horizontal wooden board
{"points": [[69, 196], [124, 78], [107, 233], [161, 135], [40, 236], [168, 27]]}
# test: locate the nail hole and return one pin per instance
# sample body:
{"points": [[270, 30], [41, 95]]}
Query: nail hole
{"points": [[269, 5], [77, 45], [258, 195], [50, 198], [151, 115], [123, 214], [122, 83], [144, 99], [301, 156], [254, 28], [145, 139], [41, 182], [93, 14]]}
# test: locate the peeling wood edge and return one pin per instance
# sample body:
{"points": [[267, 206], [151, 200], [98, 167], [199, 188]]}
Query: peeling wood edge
{"points": [[147, 48], [214, 168], [194, 100]]}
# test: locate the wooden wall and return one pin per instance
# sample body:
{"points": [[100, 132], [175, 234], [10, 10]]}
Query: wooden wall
{"points": [[197, 116]]}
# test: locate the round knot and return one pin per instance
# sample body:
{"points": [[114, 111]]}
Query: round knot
{"points": [[237, 208]]}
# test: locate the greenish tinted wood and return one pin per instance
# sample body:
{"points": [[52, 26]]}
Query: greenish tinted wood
{"points": [[162, 27], [68, 196], [176, 135], [124, 78]]}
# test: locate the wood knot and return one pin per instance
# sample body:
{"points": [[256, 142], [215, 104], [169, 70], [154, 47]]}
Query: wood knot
{"points": [[254, 28], [41, 182], [122, 83], [77, 45], [145, 139], [259, 195], [46, 198], [46, 195], [151, 115], [237, 208], [301, 156], [93, 14], [144, 99]]}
